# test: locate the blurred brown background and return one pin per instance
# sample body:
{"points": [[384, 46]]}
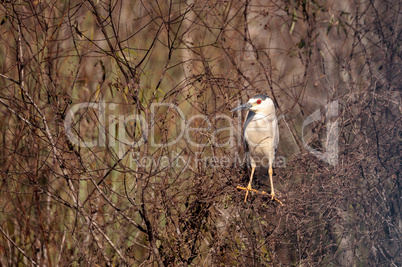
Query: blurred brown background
{"points": [[118, 146]]}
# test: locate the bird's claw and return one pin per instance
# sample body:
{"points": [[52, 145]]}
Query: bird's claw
{"points": [[277, 200], [273, 197], [248, 189]]}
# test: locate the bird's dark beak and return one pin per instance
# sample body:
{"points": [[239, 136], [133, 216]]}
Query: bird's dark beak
{"points": [[246, 106]]}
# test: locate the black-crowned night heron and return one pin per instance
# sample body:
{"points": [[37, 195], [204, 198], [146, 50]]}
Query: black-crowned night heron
{"points": [[261, 136]]}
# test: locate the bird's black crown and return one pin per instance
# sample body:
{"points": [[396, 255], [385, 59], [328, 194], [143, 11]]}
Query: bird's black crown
{"points": [[262, 97]]}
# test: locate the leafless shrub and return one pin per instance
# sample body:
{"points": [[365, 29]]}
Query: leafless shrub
{"points": [[118, 146]]}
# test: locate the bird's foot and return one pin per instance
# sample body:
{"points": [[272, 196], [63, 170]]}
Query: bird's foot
{"points": [[273, 197], [248, 189]]}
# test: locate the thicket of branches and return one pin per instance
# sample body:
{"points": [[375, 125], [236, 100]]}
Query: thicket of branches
{"points": [[118, 146]]}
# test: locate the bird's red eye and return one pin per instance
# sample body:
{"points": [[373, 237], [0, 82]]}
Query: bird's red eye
{"points": [[259, 101]]}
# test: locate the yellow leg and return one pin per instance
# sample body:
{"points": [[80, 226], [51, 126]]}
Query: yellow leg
{"points": [[248, 188], [249, 184], [272, 183], [270, 172]]}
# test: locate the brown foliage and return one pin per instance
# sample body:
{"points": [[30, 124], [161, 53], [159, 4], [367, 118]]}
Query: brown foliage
{"points": [[118, 146]]}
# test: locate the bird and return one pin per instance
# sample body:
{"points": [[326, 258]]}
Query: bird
{"points": [[260, 136]]}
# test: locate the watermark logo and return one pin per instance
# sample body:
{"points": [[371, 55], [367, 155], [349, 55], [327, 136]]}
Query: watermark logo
{"points": [[112, 127], [112, 132], [331, 142]]}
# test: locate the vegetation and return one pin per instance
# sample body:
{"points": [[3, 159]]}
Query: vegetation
{"points": [[118, 146]]}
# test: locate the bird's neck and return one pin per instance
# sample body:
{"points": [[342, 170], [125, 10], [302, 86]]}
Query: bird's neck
{"points": [[259, 116]]}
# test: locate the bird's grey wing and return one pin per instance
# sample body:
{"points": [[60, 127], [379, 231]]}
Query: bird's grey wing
{"points": [[250, 116]]}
